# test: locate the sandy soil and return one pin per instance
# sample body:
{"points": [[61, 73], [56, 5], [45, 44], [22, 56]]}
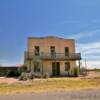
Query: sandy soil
{"points": [[93, 74], [8, 80]]}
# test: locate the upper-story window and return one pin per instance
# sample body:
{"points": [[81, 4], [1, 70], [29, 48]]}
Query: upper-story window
{"points": [[52, 49], [66, 51], [37, 51]]}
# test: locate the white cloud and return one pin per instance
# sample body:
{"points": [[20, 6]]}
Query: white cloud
{"points": [[93, 64], [91, 52], [89, 47], [89, 63], [84, 34]]}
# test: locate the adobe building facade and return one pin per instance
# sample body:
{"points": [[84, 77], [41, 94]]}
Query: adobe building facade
{"points": [[52, 55]]}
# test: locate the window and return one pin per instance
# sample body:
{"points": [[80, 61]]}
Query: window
{"points": [[52, 48], [36, 67], [66, 51], [67, 66], [37, 51]]}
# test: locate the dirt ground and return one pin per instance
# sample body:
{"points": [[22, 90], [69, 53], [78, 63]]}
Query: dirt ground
{"points": [[91, 74], [8, 80], [72, 95], [86, 94]]}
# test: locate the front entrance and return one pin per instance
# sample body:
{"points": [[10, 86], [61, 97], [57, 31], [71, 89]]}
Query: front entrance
{"points": [[55, 68]]}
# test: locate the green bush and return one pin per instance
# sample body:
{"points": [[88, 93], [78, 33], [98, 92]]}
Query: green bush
{"points": [[75, 72], [22, 69], [12, 73], [17, 72]]}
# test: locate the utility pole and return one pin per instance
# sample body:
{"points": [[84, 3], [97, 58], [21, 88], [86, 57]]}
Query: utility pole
{"points": [[86, 65]]}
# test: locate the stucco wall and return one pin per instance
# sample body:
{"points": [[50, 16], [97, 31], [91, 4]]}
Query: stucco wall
{"points": [[47, 66], [45, 44]]}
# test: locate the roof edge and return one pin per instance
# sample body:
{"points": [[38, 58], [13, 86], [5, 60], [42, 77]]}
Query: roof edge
{"points": [[45, 37]]}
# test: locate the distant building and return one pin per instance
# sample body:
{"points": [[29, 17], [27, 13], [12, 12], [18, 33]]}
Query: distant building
{"points": [[53, 55]]}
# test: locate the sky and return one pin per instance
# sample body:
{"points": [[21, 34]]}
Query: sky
{"points": [[76, 19]]}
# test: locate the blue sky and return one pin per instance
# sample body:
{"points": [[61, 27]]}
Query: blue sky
{"points": [[78, 19]]}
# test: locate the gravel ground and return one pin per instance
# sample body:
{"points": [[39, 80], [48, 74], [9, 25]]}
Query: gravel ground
{"points": [[74, 95]]}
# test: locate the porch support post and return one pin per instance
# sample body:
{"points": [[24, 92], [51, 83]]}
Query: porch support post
{"points": [[32, 66], [42, 68], [79, 66]]}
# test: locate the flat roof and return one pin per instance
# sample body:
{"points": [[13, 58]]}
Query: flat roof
{"points": [[54, 37]]}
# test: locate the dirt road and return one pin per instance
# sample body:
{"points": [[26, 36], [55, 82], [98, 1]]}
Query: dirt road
{"points": [[72, 95]]}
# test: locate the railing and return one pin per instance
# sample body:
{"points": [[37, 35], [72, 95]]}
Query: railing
{"points": [[52, 56], [60, 56]]}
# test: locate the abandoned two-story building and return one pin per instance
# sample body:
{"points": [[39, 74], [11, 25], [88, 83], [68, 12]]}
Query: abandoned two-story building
{"points": [[53, 55]]}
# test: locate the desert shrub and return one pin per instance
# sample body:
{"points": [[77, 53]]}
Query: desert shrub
{"points": [[23, 76], [45, 76], [31, 75], [97, 70], [38, 75]]}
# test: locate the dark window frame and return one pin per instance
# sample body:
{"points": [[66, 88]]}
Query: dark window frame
{"points": [[67, 66], [53, 51], [66, 50], [36, 50]]}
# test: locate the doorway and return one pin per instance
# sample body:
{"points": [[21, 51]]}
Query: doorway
{"points": [[55, 68]]}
